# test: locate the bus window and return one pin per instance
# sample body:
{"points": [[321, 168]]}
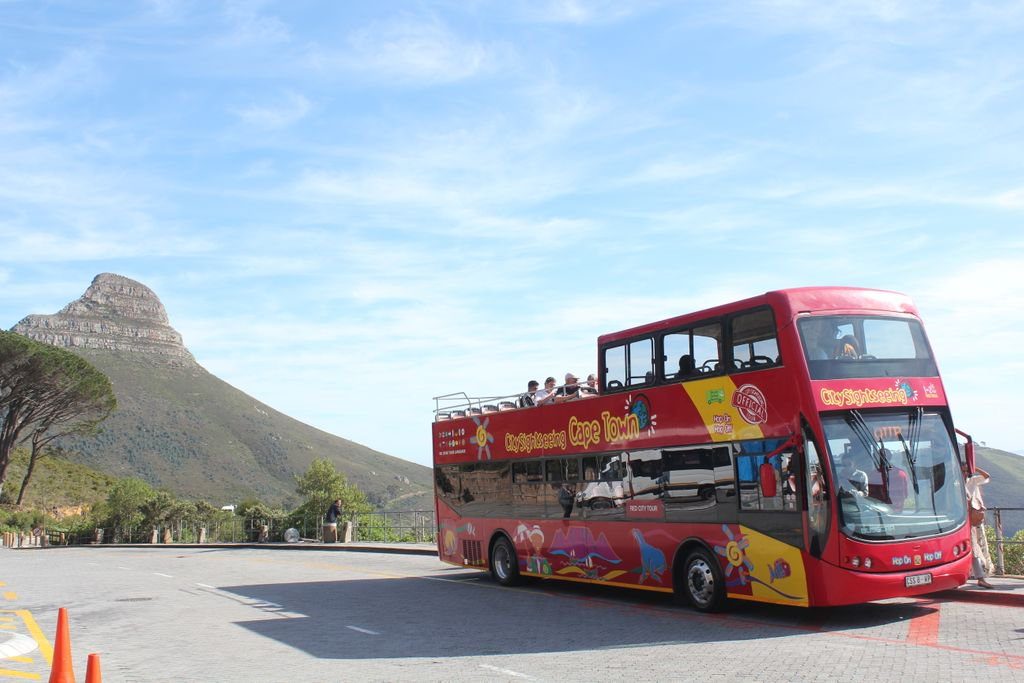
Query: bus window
{"points": [[707, 348], [677, 360], [614, 368], [889, 339], [817, 497], [751, 457], [527, 484], [561, 469], [848, 346], [485, 489], [604, 497], [641, 362], [690, 353], [446, 484], [689, 478], [754, 343]]}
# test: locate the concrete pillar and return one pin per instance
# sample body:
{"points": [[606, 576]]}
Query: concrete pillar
{"points": [[347, 538], [202, 535], [154, 537]]}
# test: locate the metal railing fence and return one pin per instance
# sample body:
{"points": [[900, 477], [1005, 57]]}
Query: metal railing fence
{"points": [[1001, 541], [406, 526]]}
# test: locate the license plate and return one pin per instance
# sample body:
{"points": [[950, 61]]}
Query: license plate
{"points": [[918, 580]]}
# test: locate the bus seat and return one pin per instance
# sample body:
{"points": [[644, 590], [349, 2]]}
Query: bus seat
{"points": [[458, 413], [443, 416], [490, 408], [506, 405]]}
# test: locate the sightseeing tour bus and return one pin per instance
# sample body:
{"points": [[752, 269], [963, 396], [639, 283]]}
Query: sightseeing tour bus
{"points": [[793, 448]]}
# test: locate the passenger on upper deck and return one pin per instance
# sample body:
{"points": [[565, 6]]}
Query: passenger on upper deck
{"points": [[528, 399], [568, 391], [545, 396], [821, 341], [590, 388]]}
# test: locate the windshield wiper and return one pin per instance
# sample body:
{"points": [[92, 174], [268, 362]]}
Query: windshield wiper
{"points": [[911, 461], [859, 427]]}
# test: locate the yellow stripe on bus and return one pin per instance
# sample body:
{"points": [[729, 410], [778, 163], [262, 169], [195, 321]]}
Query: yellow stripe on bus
{"points": [[712, 398]]}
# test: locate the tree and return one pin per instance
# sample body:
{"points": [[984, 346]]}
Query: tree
{"points": [[157, 509], [46, 393], [125, 502], [321, 484]]}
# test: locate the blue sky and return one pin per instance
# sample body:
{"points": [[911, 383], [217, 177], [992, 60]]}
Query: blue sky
{"points": [[349, 208]]}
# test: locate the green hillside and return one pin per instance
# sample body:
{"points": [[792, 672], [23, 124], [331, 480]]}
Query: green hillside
{"points": [[181, 428], [1007, 486], [58, 485]]}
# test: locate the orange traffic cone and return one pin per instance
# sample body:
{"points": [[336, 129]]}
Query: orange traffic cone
{"points": [[62, 670], [92, 673]]}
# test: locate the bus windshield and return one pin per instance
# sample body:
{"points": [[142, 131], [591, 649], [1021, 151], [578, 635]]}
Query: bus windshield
{"points": [[897, 475], [848, 346]]}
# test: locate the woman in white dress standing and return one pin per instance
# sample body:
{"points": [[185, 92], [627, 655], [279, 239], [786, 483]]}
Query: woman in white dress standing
{"points": [[979, 543]]}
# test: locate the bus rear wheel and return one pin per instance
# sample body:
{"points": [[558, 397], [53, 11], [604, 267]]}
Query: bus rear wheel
{"points": [[504, 563], [702, 580]]}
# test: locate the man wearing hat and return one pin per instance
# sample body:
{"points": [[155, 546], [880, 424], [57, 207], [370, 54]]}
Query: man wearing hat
{"points": [[568, 391]]}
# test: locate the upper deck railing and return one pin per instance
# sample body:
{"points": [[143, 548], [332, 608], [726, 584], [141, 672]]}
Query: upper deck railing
{"points": [[459, 404]]}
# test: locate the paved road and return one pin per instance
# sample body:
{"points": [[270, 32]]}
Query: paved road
{"points": [[256, 615]]}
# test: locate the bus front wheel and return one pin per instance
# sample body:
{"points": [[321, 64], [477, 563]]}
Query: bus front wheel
{"points": [[504, 563], [703, 583]]}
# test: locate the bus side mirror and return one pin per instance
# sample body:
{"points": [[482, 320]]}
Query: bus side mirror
{"points": [[968, 451], [769, 482]]}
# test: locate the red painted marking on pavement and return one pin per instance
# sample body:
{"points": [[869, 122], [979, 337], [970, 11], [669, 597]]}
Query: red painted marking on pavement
{"points": [[924, 628], [1015, 662]]}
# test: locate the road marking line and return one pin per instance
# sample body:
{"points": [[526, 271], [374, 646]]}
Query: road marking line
{"points": [[203, 585], [507, 672], [363, 630], [124, 567], [37, 634], [164, 575], [20, 658], [20, 674], [10, 595]]}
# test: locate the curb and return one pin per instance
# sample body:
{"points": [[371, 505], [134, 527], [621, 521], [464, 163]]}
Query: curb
{"points": [[331, 547]]}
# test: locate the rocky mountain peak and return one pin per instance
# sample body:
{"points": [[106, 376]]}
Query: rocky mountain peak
{"points": [[115, 314]]}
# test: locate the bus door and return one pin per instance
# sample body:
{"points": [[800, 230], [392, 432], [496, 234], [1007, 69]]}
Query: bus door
{"points": [[770, 477]]}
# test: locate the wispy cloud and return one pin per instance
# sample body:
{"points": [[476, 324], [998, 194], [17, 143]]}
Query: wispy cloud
{"points": [[248, 26], [580, 11], [406, 51], [290, 108]]}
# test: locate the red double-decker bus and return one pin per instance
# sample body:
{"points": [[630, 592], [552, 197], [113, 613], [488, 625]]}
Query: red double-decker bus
{"points": [[792, 448]]}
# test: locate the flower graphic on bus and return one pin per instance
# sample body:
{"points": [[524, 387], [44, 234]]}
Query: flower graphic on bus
{"points": [[483, 439], [734, 553], [640, 407], [904, 386]]}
